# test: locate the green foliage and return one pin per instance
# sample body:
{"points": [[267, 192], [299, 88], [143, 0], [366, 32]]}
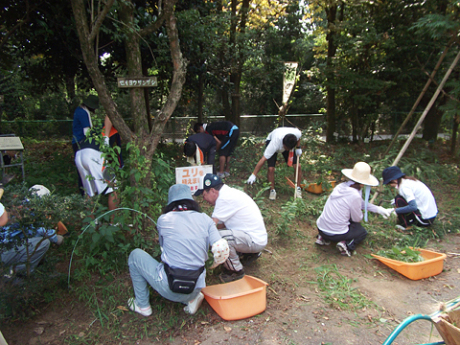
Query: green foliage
{"points": [[404, 254], [337, 289]]}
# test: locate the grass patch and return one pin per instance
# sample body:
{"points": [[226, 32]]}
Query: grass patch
{"points": [[337, 291]]}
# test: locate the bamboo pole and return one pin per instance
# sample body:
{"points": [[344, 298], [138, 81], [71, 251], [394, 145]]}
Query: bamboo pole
{"points": [[422, 117], [430, 79]]}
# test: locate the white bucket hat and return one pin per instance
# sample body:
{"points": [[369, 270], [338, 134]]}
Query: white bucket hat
{"points": [[361, 173]]}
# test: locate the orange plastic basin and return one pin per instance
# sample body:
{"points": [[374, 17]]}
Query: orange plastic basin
{"points": [[314, 188], [237, 300], [431, 266]]}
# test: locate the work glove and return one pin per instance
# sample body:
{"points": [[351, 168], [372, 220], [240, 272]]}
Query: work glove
{"points": [[385, 212], [251, 179], [298, 151], [106, 141], [60, 239], [220, 251]]}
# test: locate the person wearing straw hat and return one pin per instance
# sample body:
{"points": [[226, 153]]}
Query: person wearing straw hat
{"points": [[281, 140], [185, 235], [239, 221], [341, 218], [200, 149], [415, 203]]}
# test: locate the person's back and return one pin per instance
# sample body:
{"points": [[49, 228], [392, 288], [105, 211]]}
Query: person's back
{"points": [[239, 212], [418, 191]]}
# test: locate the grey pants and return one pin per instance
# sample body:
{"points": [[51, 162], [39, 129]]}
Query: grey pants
{"points": [[238, 242], [17, 257]]}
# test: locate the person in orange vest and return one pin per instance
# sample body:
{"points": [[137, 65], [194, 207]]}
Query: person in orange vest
{"points": [[200, 149]]}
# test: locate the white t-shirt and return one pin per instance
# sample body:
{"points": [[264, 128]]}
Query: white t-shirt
{"points": [[276, 140], [239, 212], [418, 191]]}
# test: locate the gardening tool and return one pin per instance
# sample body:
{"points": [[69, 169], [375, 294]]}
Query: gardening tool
{"points": [[296, 177]]}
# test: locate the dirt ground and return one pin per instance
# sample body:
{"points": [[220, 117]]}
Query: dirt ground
{"points": [[296, 311]]}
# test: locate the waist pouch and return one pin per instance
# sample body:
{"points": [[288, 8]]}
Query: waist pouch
{"points": [[182, 281]]}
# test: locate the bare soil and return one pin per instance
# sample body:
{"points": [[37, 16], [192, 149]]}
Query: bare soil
{"points": [[296, 310]]}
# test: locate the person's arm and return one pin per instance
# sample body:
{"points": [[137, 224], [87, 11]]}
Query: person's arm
{"points": [[218, 224], [219, 143], [411, 207], [4, 217], [259, 165]]}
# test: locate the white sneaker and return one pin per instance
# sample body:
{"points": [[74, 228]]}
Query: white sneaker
{"points": [[147, 311], [226, 173], [193, 305], [272, 194], [220, 175], [298, 193], [342, 247], [321, 241]]}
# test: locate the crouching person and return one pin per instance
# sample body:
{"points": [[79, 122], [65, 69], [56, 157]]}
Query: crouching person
{"points": [[341, 218], [239, 221], [185, 235]]}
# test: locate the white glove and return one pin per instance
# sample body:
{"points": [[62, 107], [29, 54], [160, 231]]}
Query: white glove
{"points": [[106, 141], [385, 212], [298, 151], [251, 179], [220, 251], [60, 239]]}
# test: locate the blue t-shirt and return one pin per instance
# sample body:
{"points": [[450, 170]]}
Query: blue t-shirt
{"points": [[81, 119]]}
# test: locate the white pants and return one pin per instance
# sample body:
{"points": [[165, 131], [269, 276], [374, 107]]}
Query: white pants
{"points": [[89, 163]]}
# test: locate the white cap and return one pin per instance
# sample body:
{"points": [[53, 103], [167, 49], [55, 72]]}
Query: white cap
{"points": [[39, 190]]}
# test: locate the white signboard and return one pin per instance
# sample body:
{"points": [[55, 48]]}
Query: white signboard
{"points": [[289, 79], [11, 143], [191, 175]]}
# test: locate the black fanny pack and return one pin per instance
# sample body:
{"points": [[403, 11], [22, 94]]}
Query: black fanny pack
{"points": [[182, 281]]}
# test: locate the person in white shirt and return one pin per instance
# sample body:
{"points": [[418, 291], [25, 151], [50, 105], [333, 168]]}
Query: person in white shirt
{"points": [[239, 221], [415, 203], [341, 218], [281, 140]]}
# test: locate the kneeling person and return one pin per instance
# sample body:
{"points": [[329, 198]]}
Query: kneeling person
{"points": [[239, 221]]}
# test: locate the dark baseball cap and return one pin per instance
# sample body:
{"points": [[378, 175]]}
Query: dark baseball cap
{"points": [[207, 182]]}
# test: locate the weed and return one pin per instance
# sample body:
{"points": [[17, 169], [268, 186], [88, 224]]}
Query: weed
{"points": [[337, 290]]}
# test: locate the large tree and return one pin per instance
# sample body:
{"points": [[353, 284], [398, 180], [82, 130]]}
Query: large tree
{"points": [[90, 18]]}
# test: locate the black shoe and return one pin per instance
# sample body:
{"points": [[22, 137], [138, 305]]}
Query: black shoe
{"points": [[230, 276], [249, 258]]}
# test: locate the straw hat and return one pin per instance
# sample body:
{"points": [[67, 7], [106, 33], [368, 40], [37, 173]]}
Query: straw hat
{"points": [[361, 173], [179, 192]]}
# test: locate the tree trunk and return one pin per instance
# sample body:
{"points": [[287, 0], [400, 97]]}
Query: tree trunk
{"points": [[432, 122], [454, 134], [331, 13]]}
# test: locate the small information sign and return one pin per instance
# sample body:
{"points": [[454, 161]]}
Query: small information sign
{"points": [[11, 144], [137, 82], [191, 175]]}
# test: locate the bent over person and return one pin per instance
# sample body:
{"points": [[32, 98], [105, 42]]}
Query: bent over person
{"points": [[239, 221], [185, 235], [226, 135], [341, 218], [281, 140]]}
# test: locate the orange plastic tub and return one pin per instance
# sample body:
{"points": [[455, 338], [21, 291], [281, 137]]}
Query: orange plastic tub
{"points": [[432, 265], [314, 188], [237, 300]]}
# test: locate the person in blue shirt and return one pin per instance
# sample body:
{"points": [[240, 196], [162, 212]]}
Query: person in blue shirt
{"points": [[15, 256]]}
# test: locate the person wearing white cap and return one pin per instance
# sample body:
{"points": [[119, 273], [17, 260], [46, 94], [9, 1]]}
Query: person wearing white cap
{"points": [[185, 235], [15, 239], [340, 220]]}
